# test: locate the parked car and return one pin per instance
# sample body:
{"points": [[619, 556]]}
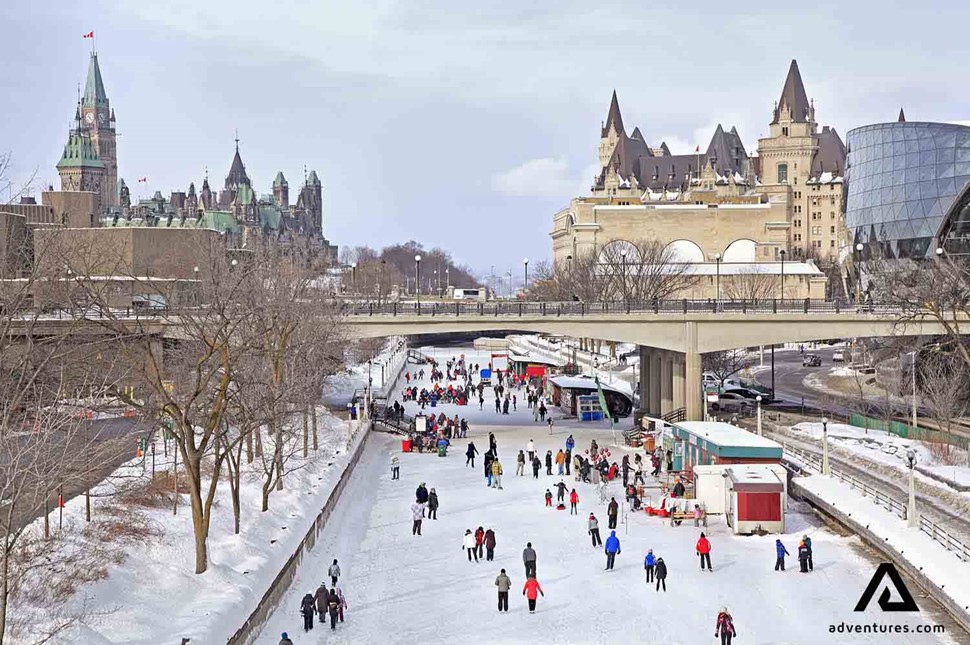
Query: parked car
{"points": [[811, 360], [731, 402], [750, 395], [838, 356]]}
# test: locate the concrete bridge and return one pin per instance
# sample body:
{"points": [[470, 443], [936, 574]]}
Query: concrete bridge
{"points": [[671, 335]]}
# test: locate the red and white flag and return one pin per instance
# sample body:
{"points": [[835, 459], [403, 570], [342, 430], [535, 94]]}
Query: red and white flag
{"points": [[143, 180], [697, 149], [90, 34]]}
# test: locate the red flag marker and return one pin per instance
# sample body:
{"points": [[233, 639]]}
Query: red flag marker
{"points": [[143, 180], [90, 34], [60, 500]]}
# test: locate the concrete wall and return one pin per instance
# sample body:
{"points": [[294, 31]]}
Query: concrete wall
{"points": [[14, 250]]}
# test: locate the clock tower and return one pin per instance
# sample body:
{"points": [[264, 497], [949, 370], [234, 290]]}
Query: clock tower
{"points": [[98, 124], [80, 167]]}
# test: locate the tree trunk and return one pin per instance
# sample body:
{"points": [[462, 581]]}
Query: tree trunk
{"points": [[249, 447], [259, 441], [87, 504], [313, 420], [306, 434], [4, 587], [200, 528]]}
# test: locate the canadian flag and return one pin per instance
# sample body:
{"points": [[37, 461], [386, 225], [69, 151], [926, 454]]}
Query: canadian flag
{"points": [[697, 149], [90, 34], [143, 180]]}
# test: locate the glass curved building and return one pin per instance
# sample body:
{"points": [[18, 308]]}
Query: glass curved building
{"points": [[908, 189]]}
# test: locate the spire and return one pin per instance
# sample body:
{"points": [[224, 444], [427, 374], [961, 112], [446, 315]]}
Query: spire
{"points": [[280, 179], [313, 180], [902, 117], [237, 170], [793, 96], [94, 95], [613, 119]]}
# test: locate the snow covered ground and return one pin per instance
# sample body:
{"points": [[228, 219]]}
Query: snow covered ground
{"points": [[406, 589]]}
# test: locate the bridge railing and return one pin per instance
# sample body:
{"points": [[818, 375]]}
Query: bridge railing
{"points": [[570, 308]]}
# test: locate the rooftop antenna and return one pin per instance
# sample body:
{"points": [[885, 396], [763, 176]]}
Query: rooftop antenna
{"points": [[78, 115], [237, 139]]}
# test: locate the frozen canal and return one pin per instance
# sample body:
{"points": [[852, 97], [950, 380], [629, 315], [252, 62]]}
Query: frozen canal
{"points": [[421, 590]]}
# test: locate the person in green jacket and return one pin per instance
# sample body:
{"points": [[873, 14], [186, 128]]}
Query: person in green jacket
{"points": [[504, 583]]}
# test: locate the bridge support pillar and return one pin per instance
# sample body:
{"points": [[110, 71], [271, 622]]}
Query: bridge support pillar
{"points": [[649, 382], [692, 374], [679, 366], [656, 382], [666, 382]]}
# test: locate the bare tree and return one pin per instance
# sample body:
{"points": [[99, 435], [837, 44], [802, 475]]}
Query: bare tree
{"points": [[750, 286], [725, 364], [14, 190], [944, 387]]}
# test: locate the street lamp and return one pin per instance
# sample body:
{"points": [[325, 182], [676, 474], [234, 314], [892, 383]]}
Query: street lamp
{"points": [[783, 276], [380, 286], [913, 370], [825, 447], [858, 287], [717, 298], [510, 284], [758, 399], [939, 251], [353, 276], [417, 277], [912, 519], [525, 263], [623, 260]]}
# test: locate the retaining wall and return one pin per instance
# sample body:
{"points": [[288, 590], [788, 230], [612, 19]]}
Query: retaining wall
{"points": [[959, 613]]}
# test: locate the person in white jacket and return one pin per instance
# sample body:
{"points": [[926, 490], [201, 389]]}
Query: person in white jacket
{"points": [[395, 467], [470, 546], [417, 513], [334, 573], [531, 449]]}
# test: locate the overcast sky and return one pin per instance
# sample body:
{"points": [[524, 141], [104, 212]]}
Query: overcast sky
{"points": [[459, 124]]}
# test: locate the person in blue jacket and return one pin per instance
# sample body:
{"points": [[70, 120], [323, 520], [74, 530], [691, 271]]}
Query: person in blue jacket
{"points": [[570, 443], [612, 549], [649, 563], [781, 551]]}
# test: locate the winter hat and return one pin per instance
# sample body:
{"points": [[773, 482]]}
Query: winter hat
{"points": [[649, 550], [284, 635]]}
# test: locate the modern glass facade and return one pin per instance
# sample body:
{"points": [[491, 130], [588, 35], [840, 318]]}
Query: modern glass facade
{"points": [[907, 188]]}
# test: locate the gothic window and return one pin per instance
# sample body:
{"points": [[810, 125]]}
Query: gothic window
{"points": [[782, 173]]}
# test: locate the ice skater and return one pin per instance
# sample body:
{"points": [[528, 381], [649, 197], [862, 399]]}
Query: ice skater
{"points": [[468, 544], [334, 572], [649, 563], [530, 591], [612, 550], [395, 467], [593, 527], [573, 502], [703, 549], [307, 608], [661, 574], [529, 560], [432, 505], [504, 583], [780, 553], [725, 627], [417, 514]]}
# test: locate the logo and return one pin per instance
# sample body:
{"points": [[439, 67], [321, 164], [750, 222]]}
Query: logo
{"points": [[905, 604]]}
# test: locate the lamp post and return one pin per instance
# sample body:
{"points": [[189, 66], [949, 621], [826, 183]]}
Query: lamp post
{"points": [[717, 288], [417, 278], [912, 519], [437, 282], [353, 276], [858, 283], [626, 299], [825, 447], [380, 286], [510, 284], [198, 291], [525, 263], [783, 276], [758, 399]]}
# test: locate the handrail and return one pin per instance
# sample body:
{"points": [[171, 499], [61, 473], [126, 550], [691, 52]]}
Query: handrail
{"points": [[944, 537]]}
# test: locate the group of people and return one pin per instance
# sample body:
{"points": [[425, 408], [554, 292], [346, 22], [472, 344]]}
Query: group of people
{"points": [[425, 502], [324, 602], [805, 561], [475, 542]]}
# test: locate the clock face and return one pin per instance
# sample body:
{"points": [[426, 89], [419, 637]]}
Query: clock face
{"points": [[89, 117]]}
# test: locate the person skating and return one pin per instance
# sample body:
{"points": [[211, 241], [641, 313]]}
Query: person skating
{"points": [[432, 505], [334, 572], [704, 550], [530, 591], [535, 414], [625, 467], [529, 560], [649, 563], [573, 502], [505, 405], [479, 540], [698, 515], [536, 466], [560, 491], [514, 402], [492, 444], [468, 544], [489, 545], [593, 526], [560, 462], [612, 511], [333, 607], [497, 474], [417, 514], [549, 462], [725, 627], [395, 467], [570, 443], [568, 460], [308, 608], [542, 412], [285, 640], [661, 574], [520, 464], [531, 449], [421, 494], [679, 489], [498, 405], [780, 553], [612, 550], [321, 597], [548, 497], [489, 457], [802, 557], [342, 604], [470, 454], [504, 583], [808, 546]]}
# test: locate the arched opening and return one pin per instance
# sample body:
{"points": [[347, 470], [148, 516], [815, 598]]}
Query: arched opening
{"points": [[684, 251], [741, 251], [612, 252]]}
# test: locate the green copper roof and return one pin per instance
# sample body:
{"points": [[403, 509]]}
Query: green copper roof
{"points": [[94, 94], [79, 153], [280, 179], [313, 180], [245, 195], [269, 217]]}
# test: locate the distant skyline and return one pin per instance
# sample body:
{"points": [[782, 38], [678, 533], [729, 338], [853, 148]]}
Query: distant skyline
{"points": [[464, 127]]}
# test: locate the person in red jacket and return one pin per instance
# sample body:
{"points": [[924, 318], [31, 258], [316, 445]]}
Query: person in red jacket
{"points": [[531, 591], [573, 501], [479, 540], [725, 627], [703, 549]]}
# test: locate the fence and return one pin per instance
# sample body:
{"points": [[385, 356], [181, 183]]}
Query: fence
{"points": [[681, 307], [907, 431], [880, 498]]}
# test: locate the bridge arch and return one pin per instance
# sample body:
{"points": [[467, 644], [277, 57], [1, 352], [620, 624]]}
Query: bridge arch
{"points": [[685, 251]]}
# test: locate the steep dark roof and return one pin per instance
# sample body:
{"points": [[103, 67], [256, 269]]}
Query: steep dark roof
{"points": [[237, 171], [830, 156], [902, 117], [793, 96], [613, 118], [728, 151]]}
